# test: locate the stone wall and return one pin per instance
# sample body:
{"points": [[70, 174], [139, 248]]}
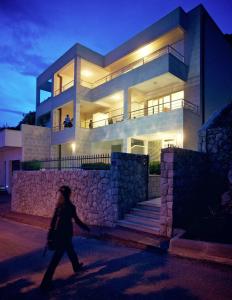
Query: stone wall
{"points": [[101, 196], [129, 173], [215, 139], [217, 144], [36, 142], [183, 175], [154, 186], [35, 192]]}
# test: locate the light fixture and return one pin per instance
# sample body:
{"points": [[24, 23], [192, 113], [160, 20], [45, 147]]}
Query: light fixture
{"points": [[116, 97], [73, 146], [144, 51], [86, 73]]}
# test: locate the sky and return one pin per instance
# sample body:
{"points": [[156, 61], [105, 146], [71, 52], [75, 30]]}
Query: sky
{"points": [[34, 33]]}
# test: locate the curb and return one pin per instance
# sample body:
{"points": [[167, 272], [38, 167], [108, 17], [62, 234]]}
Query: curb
{"points": [[207, 251]]}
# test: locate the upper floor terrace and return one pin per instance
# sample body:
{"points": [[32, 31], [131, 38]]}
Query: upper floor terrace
{"points": [[82, 66]]}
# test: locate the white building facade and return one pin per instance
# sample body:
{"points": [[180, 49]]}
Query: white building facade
{"points": [[151, 92]]}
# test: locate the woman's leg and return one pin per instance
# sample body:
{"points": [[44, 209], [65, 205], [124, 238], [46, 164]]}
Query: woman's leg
{"points": [[52, 266], [73, 256]]}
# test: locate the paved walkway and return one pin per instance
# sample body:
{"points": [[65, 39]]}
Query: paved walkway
{"points": [[111, 272]]}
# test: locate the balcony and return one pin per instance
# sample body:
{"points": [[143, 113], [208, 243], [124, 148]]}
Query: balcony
{"points": [[102, 117], [163, 107], [103, 122], [165, 50], [64, 88]]}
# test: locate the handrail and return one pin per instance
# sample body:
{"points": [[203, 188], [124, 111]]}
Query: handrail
{"points": [[156, 108], [61, 127], [137, 63], [115, 119], [64, 88]]}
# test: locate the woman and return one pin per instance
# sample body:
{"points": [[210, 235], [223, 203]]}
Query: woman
{"points": [[60, 234]]}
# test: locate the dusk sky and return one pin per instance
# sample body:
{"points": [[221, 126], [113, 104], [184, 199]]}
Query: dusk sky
{"points": [[34, 33]]}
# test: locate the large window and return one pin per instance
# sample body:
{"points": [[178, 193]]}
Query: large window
{"points": [[166, 103]]}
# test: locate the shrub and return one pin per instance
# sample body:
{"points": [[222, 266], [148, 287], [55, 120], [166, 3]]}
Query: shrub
{"points": [[31, 165], [95, 166], [154, 167]]}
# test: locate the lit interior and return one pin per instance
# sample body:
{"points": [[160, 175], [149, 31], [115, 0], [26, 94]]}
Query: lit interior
{"points": [[155, 96], [105, 111], [64, 78], [93, 75], [60, 113]]}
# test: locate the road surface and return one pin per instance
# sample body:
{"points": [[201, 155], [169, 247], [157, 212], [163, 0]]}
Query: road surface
{"points": [[111, 271]]}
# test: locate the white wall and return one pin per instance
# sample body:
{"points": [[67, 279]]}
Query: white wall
{"points": [[6, 157]]}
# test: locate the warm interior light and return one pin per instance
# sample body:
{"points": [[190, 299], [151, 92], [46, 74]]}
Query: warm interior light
{"points": [[179, 139], [86, 73]]}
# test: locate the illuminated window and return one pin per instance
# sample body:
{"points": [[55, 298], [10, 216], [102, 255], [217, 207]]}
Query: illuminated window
{"points": [[177, 99]]}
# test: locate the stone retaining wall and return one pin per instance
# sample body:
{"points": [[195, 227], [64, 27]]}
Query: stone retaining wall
{"points": [[183, 174], [101, 197], [217, 144]]}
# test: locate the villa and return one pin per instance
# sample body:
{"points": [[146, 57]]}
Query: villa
{"points": [[153, 91]]}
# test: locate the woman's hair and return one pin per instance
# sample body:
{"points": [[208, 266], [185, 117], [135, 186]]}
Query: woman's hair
{"points": [[66, 192]]}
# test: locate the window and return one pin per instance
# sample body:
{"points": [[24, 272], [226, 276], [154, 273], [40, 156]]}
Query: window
{"points": [[177, 99]]}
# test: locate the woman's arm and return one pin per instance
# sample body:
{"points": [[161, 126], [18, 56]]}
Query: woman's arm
{"points": [[78, 221]]}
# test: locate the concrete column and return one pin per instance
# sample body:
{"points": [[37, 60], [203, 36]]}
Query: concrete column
{"points": [[146, 147], [76, 106], [126, 103], [126, 147]]}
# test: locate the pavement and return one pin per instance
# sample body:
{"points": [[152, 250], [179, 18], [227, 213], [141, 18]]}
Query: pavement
{"points": [[111, 271]]}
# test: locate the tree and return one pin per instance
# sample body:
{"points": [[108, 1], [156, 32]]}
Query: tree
{"points": [[29, 119]]}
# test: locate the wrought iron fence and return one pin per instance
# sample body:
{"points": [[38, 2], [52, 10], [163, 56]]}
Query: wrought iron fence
{"points": [[86, 162]]}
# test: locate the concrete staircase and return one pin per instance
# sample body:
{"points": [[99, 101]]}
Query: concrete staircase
{"points": [[145, 217]]}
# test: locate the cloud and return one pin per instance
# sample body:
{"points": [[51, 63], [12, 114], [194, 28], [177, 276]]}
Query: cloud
{"points": [[22, 28], [28, 64]]}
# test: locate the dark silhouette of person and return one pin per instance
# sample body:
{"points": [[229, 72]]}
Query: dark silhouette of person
{"points": [[61, 232], [67, 121], [91, 124]]}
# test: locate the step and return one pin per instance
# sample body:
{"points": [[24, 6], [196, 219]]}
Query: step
{"points": [[155, 202], [148, 207], [139, 227], [142, 220], [137, 239], [145, 213]]}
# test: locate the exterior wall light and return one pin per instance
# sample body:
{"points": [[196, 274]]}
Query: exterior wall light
{"points": [[73, 146]]}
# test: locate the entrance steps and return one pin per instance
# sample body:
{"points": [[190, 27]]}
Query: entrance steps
{"points": [[145, 217]]}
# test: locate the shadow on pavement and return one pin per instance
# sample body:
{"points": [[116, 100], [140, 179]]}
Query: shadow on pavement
{"points": [[120, 278]]}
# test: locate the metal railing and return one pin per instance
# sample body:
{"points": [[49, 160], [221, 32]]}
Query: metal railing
{"points": [[103, 122], [64, 88], [163, 107], [134, 65], [61, 127], [86, 162]]}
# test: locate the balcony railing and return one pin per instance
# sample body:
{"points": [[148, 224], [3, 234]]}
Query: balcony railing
{"points": [[134, 65], [163, 107], [103, 122], [61, 127], [64, 88]]}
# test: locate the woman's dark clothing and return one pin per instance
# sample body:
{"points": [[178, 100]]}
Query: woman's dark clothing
{"points": [[61, 224]]}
